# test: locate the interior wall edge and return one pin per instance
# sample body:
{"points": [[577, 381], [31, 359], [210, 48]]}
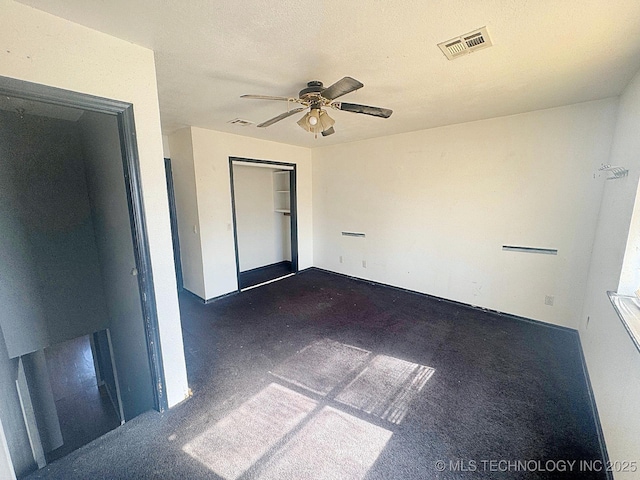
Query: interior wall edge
{"points": [[185, 191], [198, 223]]}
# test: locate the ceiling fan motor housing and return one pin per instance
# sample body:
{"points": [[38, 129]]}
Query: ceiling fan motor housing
{"points": [[315, 86]]}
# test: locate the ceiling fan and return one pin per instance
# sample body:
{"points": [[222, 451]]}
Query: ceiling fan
{"points": [[316, 97]]}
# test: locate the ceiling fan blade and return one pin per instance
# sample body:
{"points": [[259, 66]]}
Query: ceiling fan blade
{"points": [[341, 87], [366, 109], [328, 132], [282, 116], [266, 97]]}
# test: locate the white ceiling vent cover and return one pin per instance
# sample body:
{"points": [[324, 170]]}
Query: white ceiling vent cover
{"points": [[239, 121], [467, 43]]}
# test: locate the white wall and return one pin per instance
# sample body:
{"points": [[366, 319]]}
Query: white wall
{"points": [[437, 205], [23, 317], [184, 188], [626, 152], [261, 230], [612, 359], [45, 49], [45, 201], [166, 150], [211, 152]]}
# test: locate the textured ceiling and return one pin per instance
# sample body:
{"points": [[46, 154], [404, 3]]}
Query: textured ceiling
{"points": [[546, 53]]}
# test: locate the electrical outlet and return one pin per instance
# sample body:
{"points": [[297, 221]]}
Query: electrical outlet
{"points": [[340, 258], [364, 264], [549, 299]]}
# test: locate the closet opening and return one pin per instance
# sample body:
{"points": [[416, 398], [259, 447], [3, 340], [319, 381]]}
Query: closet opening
{"points": [[263, 198]]}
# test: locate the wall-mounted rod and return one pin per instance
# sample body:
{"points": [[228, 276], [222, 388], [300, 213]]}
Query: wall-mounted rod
{"points": [[353, 234], [544, 251]]}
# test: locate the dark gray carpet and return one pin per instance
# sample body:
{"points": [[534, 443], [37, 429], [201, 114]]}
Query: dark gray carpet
{"points": [[368, 382]]}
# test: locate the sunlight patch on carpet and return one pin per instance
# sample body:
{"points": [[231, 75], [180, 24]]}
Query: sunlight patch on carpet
{"points": [[321, 366], [238, 440], [386, 387], [333, 445]]}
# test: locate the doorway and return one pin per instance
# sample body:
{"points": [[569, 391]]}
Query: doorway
{"points": [[263, 197], [75, 261]]}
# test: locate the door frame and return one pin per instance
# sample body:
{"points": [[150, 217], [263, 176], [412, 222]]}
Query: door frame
{"points": [[131, 166], [173, 217], [293, 207]]}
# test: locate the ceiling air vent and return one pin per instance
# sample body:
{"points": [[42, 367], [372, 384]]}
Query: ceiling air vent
{"points": [[467, 43], [239, 121]]}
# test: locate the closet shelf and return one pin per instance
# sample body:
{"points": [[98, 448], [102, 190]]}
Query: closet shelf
{"points": [[282, 192]]}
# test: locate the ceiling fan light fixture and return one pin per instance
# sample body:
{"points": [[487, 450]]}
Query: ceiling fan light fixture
{"points": [[304, 122], [326, 121], [312, 120], [316, 121]]}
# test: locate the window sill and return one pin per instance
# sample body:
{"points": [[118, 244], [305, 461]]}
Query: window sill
{"points": [[628, 309]]}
